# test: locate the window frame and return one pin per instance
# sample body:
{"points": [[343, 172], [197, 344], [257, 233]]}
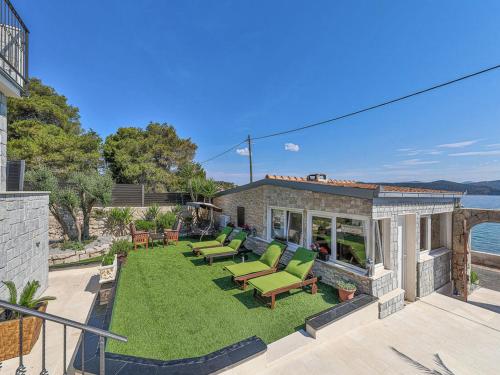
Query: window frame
{"points": [[290, 245], [428, 238], [369, 237]]}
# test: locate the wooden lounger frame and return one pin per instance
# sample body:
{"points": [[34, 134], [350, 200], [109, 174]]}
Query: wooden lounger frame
{"points": [[197, 251], [310, 280], [242, 280]]}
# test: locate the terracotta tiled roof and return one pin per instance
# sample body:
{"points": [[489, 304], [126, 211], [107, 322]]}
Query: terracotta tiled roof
{"points": [[360, 185]]}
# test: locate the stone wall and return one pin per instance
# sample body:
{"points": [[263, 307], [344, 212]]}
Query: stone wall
{"points": [[257, 200], [394, 207], [433, 271], [24, 245], [3, 142], [461, 265], [98, 226]]}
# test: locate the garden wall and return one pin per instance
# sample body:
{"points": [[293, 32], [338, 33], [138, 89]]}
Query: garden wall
{"points": [[98, 226], [24, 245]]}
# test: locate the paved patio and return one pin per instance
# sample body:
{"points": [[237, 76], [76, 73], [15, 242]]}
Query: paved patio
{"points": [[465, 337], [75, 289]]}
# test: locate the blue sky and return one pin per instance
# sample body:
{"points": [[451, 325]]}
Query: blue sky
{"points": [[220, 70]]}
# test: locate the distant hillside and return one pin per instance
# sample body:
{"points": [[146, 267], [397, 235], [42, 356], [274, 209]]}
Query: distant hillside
{"points": [[473, 188]]}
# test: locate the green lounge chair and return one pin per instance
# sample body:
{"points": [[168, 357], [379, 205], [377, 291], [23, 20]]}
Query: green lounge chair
{"points": [[268, 263], [224, 251], [218, 242], [294, 276]]}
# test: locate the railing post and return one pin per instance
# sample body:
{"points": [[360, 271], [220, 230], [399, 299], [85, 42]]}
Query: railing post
{"points": [[21, 370], [44, 370], [102, 362], [142, 195], [64, 351]]}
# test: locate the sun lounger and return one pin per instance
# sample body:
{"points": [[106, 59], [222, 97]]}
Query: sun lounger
{"points": [[268, 263], [224, 251], [219, 241], [296, 275]]}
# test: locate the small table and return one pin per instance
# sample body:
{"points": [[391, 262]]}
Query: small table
{"points": [[155, 237]]}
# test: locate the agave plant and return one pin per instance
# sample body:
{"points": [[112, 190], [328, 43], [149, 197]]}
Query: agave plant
{"points": [[26, 299], [152, 212]]}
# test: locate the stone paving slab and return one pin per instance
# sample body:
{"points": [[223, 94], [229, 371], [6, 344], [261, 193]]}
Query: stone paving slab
{"points": [[464, 336]]}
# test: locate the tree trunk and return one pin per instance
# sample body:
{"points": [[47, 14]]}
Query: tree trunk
{"points": [[86, 225], [78, 227], [56, 212]]}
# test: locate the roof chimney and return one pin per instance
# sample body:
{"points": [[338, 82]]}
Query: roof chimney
{"points": [[317, 177]]}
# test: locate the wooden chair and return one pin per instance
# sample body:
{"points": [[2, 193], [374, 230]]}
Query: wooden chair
{"points": [[172, 235], [138, 238]]}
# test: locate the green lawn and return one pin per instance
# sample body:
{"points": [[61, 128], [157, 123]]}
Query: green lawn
{"points": [[170, 305]]}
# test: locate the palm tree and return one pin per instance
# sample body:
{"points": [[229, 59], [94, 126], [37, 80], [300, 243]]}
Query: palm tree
{"points": [[27, 298], [209, 189]]}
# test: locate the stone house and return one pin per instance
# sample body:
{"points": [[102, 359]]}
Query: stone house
{"points": [[23, 214], [393, 242]]}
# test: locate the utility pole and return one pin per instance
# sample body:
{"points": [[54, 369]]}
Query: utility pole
{"points": [[249, 140]]}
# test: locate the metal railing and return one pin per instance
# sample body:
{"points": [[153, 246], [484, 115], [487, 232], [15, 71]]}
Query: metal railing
{"points": [[21, 369], [13, 44]]}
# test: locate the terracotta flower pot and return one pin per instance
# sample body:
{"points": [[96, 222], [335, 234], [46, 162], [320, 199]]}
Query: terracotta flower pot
{"points": [[346, 295], [9, 335]]}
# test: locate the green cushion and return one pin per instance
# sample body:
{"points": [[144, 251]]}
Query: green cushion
{"points": [[221, 238], [268, 283], [271, 255], [227, 231], [301, 263], [205, 244], [237, 240], [247, 268], [218, 250]]}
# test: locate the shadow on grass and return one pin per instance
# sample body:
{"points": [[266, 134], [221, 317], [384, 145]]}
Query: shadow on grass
{"points": [[198, 261], [225, 283], [250, 302], [188, 254]]}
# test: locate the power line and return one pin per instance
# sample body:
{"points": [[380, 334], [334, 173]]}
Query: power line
{"points": [[380, 104], [224, 152], [366, 109]]}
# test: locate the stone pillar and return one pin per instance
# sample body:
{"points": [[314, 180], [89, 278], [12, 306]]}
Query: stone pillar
{"points": [[3, 141]]}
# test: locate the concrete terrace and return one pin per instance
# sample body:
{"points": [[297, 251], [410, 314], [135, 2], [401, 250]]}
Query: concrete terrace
{"points": [[75, 290], [464, 336]]}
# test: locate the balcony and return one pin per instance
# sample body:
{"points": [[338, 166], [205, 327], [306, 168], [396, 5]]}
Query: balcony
{"points": [[13, 50]]}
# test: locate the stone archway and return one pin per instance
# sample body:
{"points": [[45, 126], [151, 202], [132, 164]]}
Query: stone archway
{"points": [[464, 219]]}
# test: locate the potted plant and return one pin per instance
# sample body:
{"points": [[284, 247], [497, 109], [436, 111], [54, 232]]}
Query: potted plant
{"points": [[9, 320], [346, 290], [109, 267]]}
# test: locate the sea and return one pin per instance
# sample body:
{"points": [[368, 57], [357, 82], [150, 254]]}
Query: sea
{"points": [[486, 236]]}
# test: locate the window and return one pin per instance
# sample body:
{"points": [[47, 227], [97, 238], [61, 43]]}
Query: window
{"points": [[351, 241], [321, 230], [240, 216], [425, 233], [286, 226]]}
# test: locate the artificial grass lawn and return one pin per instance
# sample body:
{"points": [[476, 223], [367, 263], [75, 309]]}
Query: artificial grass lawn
{"points": [[171, 305]]}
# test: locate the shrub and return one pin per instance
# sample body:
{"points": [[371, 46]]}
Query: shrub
{"points": [[474, 278], [346, 285], [26, 299], [145, 225], [120, 247], [165, 221], [117, 219], [152, 212], [72, 245]]}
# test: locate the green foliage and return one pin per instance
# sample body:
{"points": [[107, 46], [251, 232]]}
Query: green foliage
{"points": [[117, 219], [201, 187], [120, 247], [165, 220], [42, 179], [72, 245], [346, 285], [152, 212], [150, 156], [474, 278], [45, 130], [145, 225], [26, 299], [188, 171]]}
